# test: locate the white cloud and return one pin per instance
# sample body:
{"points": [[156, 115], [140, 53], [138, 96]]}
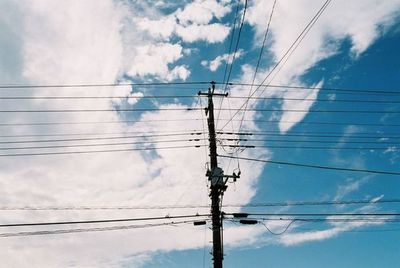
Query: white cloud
{"points": [[298, 238], [349, 187], [162, 28], [96, 42], [214, 64], [362, 28], [192, 24], [181, 72], [289, 119], [89, 42], [334, 229], [154, 60], [201, 12], [212, 33]]}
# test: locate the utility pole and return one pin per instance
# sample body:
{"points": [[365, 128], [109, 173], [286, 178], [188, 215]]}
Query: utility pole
{"points": [[217, 179]]}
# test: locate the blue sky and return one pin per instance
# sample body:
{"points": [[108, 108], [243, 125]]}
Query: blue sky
{"points": [[353, 45], [377, 68]]}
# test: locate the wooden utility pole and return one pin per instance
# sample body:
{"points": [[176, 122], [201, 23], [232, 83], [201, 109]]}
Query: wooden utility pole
{"points": [[217, 180]]}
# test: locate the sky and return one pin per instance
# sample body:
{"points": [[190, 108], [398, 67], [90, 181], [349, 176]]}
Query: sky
{"points": [[336, 105]]}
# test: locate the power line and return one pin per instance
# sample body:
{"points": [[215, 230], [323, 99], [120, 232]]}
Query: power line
{"points": [[381, 139], [298, 39], [199, 132], [101, 151], [200, 83], [98, 122], [318, 111], [100, 110], [244, 214], [281, 232], [263, 45], [102, 138], [304, 31], [192, 97], [94, 97], [167, 217], [286, 228], [308, 147], [99, 144], [378, 91], [197, 206], [170, 132], [308, 135], [356, 219], [237, 44], [342, 134], [233, 26], [317, 166], [94, 229], [102, 85], [299, 42], [358, 231], [319, 141], [199, 119], [173, 223], [197, 109], [258, 61], [234, 55], [317, 99], [322, 203], [325, 123]]}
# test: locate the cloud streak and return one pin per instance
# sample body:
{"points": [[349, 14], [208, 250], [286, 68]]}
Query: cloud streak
{"points": [[109, 41]]}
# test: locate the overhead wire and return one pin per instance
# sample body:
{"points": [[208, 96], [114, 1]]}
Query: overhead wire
{"points": [[258, 61], [297, 44], [101, 110], [390, 101], [99, 151], [305, 133], [237, 45], [245, 214], [322, 203], [378, 91], [382, 172], [319, 141], [98, 122], [357, 231], [317, 99], [93, 229], [166, 217], [318, 111], [100, 144], [286, 228], [338, 91], [303, 147], [147, 133], [354, 90], [196, 109], [102, 85], [309, 135], [329, 123], [198, 206], [233, 27], [316, 16], [231, 62], [198, 119], [95, 97], [281, 232], [101, 138]]}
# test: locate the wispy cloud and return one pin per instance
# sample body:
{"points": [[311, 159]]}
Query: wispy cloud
{"points": [[214, 64], [65, 42]]}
